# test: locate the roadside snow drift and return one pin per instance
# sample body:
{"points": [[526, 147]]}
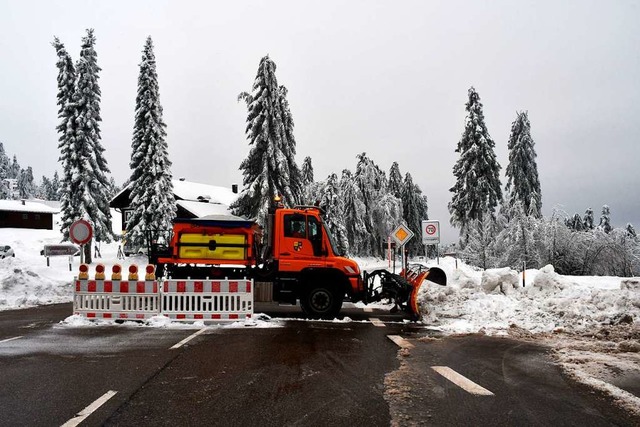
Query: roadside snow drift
{"points": [[495, 300]]}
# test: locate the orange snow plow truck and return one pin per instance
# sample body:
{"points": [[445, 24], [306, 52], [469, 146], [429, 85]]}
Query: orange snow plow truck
{"points": [[297, 261]]}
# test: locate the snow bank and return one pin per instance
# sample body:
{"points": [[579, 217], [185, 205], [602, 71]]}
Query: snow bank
{"points": [[25, 280], [473, 301]]}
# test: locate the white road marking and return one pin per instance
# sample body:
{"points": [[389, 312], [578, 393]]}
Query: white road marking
{"points": [[10, 339], [377, 322], [187, 339], [368, 310], [401, 342], [461, 381], [82, 415]]}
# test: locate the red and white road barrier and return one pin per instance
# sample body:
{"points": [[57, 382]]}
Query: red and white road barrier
{"points": [[182, 300], [115, 299], [189, 300]]}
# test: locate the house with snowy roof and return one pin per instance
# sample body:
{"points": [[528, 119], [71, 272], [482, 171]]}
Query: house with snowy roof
{"points": [[26, 214], [193, 200]]}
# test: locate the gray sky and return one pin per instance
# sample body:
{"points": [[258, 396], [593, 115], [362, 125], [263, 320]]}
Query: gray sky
{"points": [[386, 77]]}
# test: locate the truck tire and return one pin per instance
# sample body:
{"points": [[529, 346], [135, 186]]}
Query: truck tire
{"points": [[321, 302]]}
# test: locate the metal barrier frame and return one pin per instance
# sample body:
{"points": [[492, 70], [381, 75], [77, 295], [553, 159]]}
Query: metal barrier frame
{"points": [[115, 299], [179, 300], [192, 300]]}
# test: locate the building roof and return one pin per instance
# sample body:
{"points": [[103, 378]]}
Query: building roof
{"points": [[200, 209], [187, 190], [26, 206], [191, 196]]}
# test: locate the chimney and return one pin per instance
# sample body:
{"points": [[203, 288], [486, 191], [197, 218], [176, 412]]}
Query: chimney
{"points": [[22, 201], [234, 188], [181, 178]]}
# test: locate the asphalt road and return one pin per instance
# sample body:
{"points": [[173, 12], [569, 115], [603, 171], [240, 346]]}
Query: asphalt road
{"points": [[298, 373]]}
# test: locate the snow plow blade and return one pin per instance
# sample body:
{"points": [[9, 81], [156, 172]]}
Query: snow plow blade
{"points": [[416, 275]]}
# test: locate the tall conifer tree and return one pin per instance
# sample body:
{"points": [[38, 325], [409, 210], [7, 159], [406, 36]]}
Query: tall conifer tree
{"points": [[152, 200], [70, 211], [476, 192], [523, 184], [414, 211], [26, 185], [371, 182], [395, 180], [353, 212], [4, 174], [331, 202], [89, 185], [605, 219], [270, 167], [309, 186]]}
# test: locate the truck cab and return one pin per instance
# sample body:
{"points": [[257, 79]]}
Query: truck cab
{"points": [[310, 267]]}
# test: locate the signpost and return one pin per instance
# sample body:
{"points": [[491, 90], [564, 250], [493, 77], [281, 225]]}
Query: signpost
{"points": [[431, 234], [81, 233], [60, 250], [401, 235]]}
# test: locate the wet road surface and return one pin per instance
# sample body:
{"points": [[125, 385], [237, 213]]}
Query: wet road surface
{"points": [[295, 372]]}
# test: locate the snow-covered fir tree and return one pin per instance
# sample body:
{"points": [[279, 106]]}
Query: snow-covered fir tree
{"points": [[310, 189], [588, 221], [289, 148], [480, 246], [14, 168], [631, 231], [371, 182], [26, 184], [386, 216], [152, 201], [605, 219], [518, 239], [113, 188], [270, 167], [55, 187], [4, 174], [89, 185], [66, 139], [353, 212], [575, 223], [331, 202], [395, 185], [307, 171], [44, 189], [523, 184], [413, 213], [477, 191]]}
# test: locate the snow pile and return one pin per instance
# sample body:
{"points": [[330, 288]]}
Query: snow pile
{"points": [[487, 301], [505, 278], [259, 321], [25, 280]]}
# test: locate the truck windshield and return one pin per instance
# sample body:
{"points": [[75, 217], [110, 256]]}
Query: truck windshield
{"points": [[332, 241]]}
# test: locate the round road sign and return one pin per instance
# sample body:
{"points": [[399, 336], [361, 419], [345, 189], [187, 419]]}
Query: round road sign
{"points": [[431, 229], [80, 232]]}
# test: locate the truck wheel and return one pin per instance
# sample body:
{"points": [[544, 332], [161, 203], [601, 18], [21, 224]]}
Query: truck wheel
{"points": [[321, 302]]}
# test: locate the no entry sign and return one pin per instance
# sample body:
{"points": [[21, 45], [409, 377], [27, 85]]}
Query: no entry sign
{"points": [[431, 232], [80, 232]]}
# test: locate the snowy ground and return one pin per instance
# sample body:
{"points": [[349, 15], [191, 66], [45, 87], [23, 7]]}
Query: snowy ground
{"points": [[591, 323]]}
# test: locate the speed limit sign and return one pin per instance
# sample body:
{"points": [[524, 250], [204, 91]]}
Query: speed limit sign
{"points": [[430, 232]]}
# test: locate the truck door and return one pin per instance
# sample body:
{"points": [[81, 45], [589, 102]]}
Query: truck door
{"points": [[301, 244]]}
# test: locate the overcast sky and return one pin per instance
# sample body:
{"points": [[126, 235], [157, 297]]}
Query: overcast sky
{"points": [[385, 77]]}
